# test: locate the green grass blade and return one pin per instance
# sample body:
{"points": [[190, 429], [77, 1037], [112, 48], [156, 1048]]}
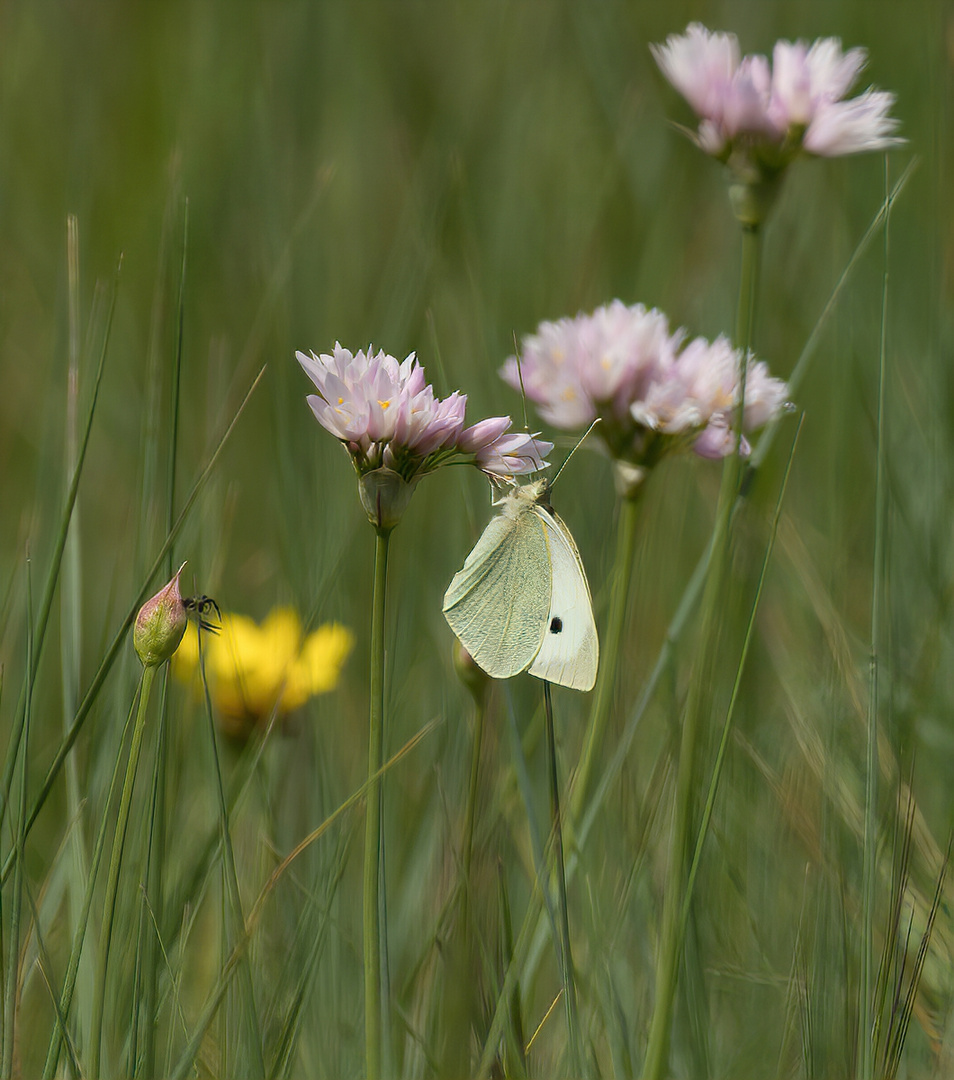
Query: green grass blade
{"points": [[186, 1059], [866, 987], [12, 981], [71, 633], [106, 666], [251, 1051], [60, 1031], [156, 844], [737, 686], [565, 951], [317, 918], [56, 561]]}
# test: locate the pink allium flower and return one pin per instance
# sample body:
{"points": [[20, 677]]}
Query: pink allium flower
{"points": [[512, 455], [770, 113], [387, 416], [593, 365], [624, 365], [699, 392]]}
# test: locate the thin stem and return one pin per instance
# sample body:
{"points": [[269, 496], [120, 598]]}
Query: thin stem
{"points": [[70, 596], [566, 954], [115, 864], [13, 962], [460, 996], [153, 902], [79, 936], [46, 603], [255, 1060], [736, 688], [870, 852], [748, 283], [373, 1004], [609, 661], [698, 703], [471, 812]]}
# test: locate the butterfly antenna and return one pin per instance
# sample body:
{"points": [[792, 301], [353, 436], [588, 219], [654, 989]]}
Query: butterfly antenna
{"points": [[573, 451], [523, 390], [523, 395]]}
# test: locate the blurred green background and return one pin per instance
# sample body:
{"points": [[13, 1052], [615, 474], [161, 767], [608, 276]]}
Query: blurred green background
{"points": [[439, 178]]}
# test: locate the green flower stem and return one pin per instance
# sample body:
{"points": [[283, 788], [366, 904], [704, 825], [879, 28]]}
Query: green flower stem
{"points": [[606, 681], [672, 934], [152, 909], [460, 996], [10, 995], [870, 847], [115, 863], [155, 876], [566, 953], [748, 283], [471, 812], [373, 1004]]}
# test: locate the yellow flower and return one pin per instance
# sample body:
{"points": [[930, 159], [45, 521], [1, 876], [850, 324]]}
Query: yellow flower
{"points": [[253, 670]]}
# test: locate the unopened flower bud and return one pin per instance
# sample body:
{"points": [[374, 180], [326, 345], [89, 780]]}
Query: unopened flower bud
{"points": [[384, 496], [472, 676], [160, 624]]}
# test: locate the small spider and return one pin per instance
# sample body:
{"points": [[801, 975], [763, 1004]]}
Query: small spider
{"points": [[201, 605]]}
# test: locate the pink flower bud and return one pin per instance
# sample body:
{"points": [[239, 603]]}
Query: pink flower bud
{"points": [[160, 624]]}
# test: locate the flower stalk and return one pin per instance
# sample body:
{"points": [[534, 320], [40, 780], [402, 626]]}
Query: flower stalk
{"points": [[396, 431], [374, 1004]]}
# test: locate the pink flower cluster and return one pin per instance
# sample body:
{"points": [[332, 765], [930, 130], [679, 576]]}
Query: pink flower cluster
{"points": [[387, 415], [624, 365], [796, 103]]}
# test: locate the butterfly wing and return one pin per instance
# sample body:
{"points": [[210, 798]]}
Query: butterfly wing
{"points": [[497, 604], [569, 654]]}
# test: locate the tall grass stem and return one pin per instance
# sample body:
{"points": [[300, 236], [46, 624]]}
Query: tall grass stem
{"points": [[153, 905], [79, 936], [870, 847], [11, 983], [566, 953], [115, 865], [253, 1056]]}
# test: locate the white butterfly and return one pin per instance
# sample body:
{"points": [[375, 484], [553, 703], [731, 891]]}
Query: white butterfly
{"points": [[521, 600]]}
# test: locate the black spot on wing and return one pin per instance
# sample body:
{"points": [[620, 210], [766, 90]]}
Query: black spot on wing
{"points": [[556, 625]]}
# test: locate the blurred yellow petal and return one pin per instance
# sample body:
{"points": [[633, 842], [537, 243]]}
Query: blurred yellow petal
{"points": [[323, 656], [186, 658], [282, 630], [250, 667]]}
